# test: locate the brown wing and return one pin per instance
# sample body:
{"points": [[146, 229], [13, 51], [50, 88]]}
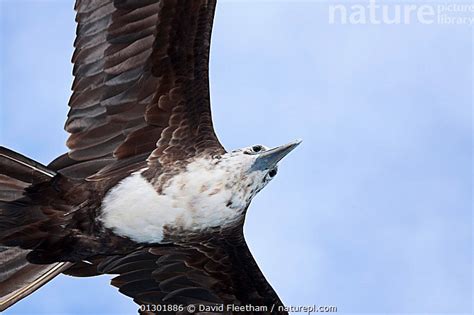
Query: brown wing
{"points": [[18, 277], [141, 84], [216, 271]]}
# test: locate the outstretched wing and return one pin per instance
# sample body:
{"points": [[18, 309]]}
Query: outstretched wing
{"points": [[141, 84], [218, 271], [19, 277]]}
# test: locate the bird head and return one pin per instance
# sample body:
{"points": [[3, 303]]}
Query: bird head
{"points": [[248, 170]]}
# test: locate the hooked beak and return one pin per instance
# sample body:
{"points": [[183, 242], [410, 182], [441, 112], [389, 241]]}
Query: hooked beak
{"points": [[270, 158]]}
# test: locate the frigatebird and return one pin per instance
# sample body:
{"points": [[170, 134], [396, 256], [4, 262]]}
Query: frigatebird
{"points": [[146, 190]]}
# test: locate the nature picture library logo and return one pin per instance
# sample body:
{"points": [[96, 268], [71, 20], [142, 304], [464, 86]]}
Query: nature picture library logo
{"points": [[401, 12]]}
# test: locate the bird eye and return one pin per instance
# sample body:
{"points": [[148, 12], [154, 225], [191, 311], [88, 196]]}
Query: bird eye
{"points": [[216, 157], [272, 173], [257, 148]]}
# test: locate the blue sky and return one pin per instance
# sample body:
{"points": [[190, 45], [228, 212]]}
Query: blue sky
{"points": [[372, 213]]}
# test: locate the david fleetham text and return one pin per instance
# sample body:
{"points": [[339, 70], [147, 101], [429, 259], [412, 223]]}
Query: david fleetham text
{"points": [[308, 309]]}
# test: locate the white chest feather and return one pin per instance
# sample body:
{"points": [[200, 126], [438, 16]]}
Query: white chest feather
{"points": [[193, 200]]}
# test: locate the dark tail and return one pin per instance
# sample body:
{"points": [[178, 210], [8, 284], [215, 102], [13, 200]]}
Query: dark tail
{"points": [[18, 277]]}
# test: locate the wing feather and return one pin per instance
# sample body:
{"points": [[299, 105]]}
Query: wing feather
{"points": [[216, 270], [141, 84]]}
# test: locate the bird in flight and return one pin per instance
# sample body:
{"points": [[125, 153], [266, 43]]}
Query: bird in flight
{"points": [[146, 191]]}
